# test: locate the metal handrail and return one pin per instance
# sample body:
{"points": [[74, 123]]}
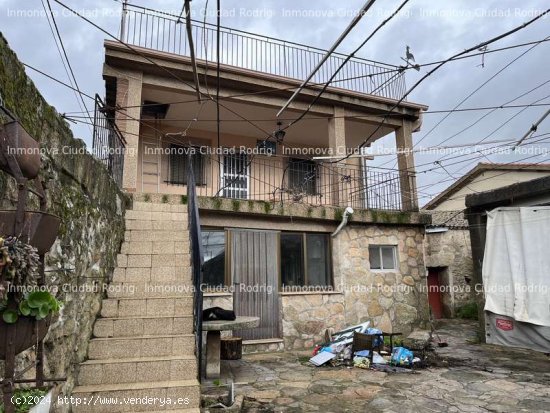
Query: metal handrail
{"points": [[108, 142], [163, 31]]}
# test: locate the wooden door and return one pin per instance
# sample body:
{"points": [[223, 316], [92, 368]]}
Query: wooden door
{"points": [[434, 294], [255, 274]]}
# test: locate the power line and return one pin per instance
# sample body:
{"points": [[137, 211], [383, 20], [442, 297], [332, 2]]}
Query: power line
{"points": [[332, 49], [344, 62], [65, 54], [525, 106], [533, 128], [60, 82], [312, 86], [477, 90], [483, 44]]}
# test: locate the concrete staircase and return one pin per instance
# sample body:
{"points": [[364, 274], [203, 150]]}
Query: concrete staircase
{"points": [[143, 344]]}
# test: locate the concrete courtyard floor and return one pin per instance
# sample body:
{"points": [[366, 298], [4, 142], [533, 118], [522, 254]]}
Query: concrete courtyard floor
{"points": [[469, 378]]}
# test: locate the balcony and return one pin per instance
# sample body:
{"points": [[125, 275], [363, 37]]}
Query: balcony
{"points": [[167, 33], [271, 179]]}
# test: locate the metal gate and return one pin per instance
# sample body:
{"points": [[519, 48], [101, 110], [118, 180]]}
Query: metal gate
{"points": [[255, 275]]}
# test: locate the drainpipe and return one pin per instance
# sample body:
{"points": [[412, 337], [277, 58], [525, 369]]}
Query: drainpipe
{"points": [[347, 213]]}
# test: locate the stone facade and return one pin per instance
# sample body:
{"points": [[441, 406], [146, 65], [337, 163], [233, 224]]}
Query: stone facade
{"points": [[450, 252], [394, 301], [91, 208]]}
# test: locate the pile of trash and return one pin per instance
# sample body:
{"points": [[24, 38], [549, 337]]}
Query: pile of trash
{"points": [[338, 350]]}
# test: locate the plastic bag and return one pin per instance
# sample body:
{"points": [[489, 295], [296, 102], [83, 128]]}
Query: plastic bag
{"points": [[402, 356]]}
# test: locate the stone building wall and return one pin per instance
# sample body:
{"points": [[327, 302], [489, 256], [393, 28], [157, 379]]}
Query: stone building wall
{"points": [[450, 252], [392, 300], [91, 208]]}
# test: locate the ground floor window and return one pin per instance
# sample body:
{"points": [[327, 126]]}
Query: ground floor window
{"points": [[383, 257], [305, 259], [213, 248]]}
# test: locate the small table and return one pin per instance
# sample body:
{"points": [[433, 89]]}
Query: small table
{"points": [[213, 335]]}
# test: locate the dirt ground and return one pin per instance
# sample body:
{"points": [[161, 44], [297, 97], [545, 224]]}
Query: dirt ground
{"points": [[470, 377]]}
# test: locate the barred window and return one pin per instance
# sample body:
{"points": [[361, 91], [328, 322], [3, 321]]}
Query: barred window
{"points": [[178, 164]]}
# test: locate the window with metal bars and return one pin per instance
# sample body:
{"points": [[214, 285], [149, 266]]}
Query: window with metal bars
{"points": [[302, 176], [178, 164]]}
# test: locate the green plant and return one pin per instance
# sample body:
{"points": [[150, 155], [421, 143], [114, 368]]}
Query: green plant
{"points": [[164, 199], [147, 198], [339, 214], [25, 399], [217, 382], [250, 205], [235, 205], [467, 311], [217, 203], [267, 207], [18, 264], [309, 212], [184, 199]]}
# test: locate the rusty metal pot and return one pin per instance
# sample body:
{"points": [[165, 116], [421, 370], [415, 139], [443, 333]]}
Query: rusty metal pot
{"points": [[39, 229], [25, 149], [28, 332]]}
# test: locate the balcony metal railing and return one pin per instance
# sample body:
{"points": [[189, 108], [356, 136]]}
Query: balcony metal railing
{"points": [[108, 143], [166, 32], [282, 180]]}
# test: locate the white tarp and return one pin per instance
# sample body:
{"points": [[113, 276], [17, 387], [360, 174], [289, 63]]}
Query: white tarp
{"points": [[516, 265]]}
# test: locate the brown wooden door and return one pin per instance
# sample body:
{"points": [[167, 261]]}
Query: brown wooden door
{"points": [[255, 273], [434, 294]]}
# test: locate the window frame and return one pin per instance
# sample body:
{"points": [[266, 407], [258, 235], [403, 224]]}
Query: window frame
{"points": [[226, 264], [330, 266], [199, 180], [395, 258]]}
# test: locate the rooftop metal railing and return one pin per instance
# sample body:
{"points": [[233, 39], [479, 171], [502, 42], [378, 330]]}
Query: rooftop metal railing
{"points": [[166, 32]]}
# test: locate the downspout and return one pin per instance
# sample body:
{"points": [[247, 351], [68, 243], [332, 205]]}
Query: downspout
{"points": [[347, 213]]}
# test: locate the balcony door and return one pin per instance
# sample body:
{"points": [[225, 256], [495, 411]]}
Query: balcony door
{"points": [[235, 176]]}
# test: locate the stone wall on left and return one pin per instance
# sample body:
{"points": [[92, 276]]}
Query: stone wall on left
{"points": [[91, 208]]}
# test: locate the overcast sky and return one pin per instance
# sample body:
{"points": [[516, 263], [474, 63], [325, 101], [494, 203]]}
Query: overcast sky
{"points": [[433, 29]]}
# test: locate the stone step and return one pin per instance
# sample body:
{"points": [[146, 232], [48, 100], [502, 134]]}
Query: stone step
{"points": [[144, 346], [139, 326], [155, 247], [149, 225], [156, 206], [149, 289], [112, 371], [155, 216], [135, 307], [152, 275], [137, 397], [153, 261], [139, 236]]}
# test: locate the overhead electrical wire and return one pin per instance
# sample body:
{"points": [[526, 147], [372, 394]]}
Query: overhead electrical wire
{"points": [[423, 78]]}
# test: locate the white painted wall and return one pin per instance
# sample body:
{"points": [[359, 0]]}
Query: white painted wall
{"points": [[487, 181]]}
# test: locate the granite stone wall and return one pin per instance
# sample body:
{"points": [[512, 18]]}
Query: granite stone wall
{"points": [[91, 208], [394, 301], [451, 254]]}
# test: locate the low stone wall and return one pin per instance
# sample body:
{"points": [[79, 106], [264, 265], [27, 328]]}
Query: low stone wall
{"points": [[91, 208], [450, 251]]}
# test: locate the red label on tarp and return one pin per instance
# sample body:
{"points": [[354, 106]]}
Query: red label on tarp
{"points": [[505, 325]]}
